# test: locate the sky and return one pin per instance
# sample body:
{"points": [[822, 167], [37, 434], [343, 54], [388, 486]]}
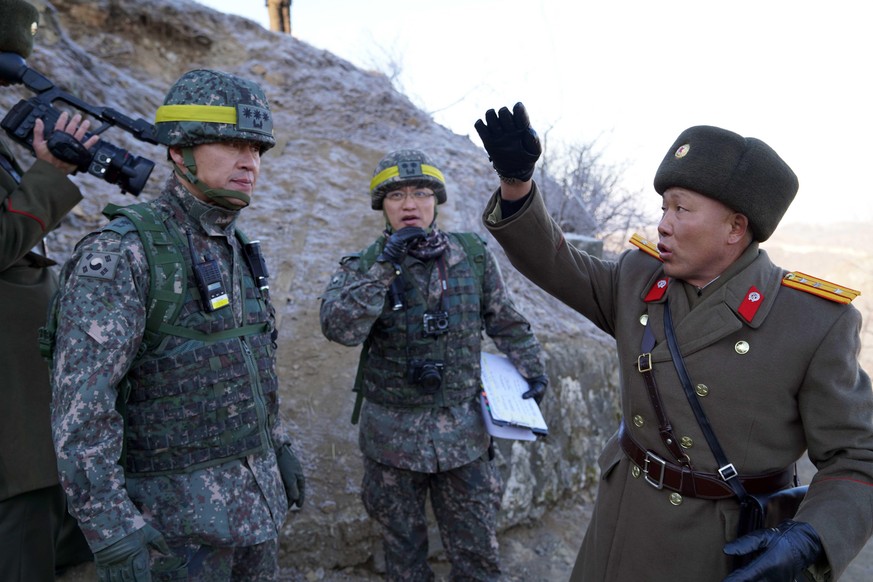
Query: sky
{"points": [[631, 75]]}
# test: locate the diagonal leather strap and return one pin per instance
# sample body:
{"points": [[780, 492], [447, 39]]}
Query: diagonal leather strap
{"points": [[726, 470], [665, 428]]}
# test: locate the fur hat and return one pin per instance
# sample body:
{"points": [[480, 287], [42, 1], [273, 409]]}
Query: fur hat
{"points": [[742, 173], [19, 21]]}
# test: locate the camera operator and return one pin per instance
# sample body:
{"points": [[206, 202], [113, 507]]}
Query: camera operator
{"points": [[418, 299], [37, 535]]}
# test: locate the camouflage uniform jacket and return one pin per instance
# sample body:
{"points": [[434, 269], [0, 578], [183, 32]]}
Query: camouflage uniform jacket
{"points": [[425, 439], [101, 321], [28, 211]]}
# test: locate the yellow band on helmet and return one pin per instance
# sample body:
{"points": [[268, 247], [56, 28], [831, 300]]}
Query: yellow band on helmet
{"points": [[206, 113], [394, 171]]}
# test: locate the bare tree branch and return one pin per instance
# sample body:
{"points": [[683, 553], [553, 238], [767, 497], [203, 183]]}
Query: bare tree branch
{"points": [[586, 194]]}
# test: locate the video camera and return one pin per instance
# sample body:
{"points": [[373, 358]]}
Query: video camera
{"points": [[104, 160]]}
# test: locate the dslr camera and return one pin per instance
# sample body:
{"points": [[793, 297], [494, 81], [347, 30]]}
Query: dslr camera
{"points": [[104, 160], [426, 373]]}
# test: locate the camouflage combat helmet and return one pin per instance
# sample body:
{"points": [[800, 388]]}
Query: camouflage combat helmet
{"points": [[206, 106], [405, 166]]}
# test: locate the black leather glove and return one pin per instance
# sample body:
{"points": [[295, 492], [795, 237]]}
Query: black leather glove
{"points": [[788, 549], [512, 145], [292, 475], [537, 389], [127, 560], [398, 243]]}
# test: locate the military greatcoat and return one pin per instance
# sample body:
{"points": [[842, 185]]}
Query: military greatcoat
{"points": [[775, 379], [28, 211]]}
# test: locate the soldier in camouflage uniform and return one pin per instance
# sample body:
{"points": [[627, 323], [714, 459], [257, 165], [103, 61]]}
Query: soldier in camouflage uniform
{"points": [[418, 299], [165, 410]]}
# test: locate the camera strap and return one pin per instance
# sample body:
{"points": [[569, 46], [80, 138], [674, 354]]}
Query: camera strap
{"points": [[440, 340], [10, 169], [444, 280]]}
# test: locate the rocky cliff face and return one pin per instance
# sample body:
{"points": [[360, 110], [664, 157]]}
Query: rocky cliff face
{"points": [[333, 123]]}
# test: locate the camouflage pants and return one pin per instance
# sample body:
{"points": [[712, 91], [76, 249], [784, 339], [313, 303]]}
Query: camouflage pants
{"points": [[257, 563], [465, 502]]}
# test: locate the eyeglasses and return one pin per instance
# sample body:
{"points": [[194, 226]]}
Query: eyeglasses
{"points": [[418, 195]]}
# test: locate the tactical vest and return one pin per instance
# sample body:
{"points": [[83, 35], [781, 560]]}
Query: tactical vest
{"points": [[202, 390], [397, 338]]}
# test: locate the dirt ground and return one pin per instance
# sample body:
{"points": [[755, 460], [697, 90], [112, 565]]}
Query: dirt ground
{"points": [[542, 551], [539, 552]]}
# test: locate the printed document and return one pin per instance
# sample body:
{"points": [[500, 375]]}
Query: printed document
{"points": [[506, 413]]}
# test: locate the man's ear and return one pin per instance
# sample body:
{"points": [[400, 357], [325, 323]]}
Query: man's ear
{"points": [[174, 153], [739, 228]]}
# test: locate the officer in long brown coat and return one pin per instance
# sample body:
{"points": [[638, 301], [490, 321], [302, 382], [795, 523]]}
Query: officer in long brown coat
{"points": [[37, 535], [772, 362]]}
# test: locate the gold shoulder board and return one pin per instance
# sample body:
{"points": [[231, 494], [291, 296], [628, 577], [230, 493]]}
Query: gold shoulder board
{"points": [[819, 287], [645, 245]]}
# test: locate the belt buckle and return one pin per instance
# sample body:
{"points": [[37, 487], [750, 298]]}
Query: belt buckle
{"points": [[650, 456], [644, 363]]}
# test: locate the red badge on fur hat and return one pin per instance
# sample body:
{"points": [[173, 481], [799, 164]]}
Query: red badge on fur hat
{"points": [[749, 307], [657, 291]]}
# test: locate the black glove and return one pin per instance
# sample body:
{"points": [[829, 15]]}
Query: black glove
{"points": [[292, 475], [788, 549], [538, 387], [397, 244], [127, 560], [512, 145]]}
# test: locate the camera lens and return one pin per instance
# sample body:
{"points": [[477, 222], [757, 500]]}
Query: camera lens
{"points": [[430, 378], [427, 374]]}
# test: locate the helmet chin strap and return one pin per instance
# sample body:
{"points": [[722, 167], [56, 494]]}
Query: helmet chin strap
{"points": [[218, 195]]}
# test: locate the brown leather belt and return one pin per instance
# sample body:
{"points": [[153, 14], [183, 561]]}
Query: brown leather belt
{"points": [[662, 474]]}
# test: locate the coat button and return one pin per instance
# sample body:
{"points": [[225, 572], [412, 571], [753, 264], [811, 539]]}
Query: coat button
{"points": [[702, 390], [638, 421], [675, 498], [635, 471], [742, 347], [686, 442], [644, 318]]}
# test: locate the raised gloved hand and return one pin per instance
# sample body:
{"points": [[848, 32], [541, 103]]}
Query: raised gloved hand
{"points": [[292, 475], [538, 385], [788, 549], [512, 145], [127, 560], [398, 243]]}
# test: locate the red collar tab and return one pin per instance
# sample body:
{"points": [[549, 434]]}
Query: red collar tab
{"points": [[657, 291], [751, 303]]}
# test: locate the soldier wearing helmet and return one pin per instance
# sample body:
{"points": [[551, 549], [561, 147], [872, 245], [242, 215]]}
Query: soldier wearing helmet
{"points": [[417, 299], [165, 413]]}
